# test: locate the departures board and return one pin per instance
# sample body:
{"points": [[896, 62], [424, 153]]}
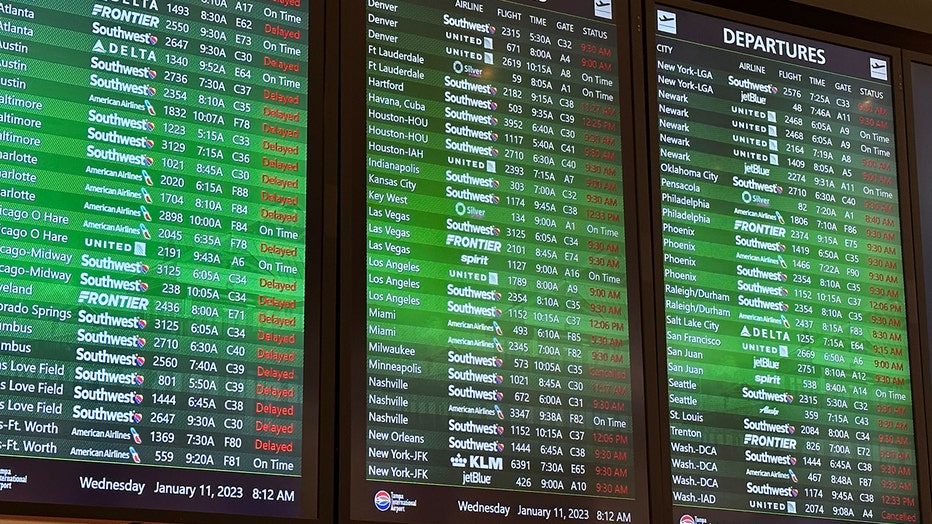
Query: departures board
{"points": [[787, 362], [496, 375], [154, 189]]}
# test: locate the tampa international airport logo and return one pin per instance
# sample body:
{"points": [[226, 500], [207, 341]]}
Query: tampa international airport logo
{"points": [[396, 502], [383, 501]]}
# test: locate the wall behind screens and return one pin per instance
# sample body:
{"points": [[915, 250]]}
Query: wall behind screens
{"points": [[921, 81], [160, 236]]}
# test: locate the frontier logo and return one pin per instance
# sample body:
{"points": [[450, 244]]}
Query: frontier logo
{"points": [[94, 298]]}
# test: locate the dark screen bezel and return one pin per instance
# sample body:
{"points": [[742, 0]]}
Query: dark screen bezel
{"points": [[911, 90], [353, 253], [318, 411], [906, 213]]}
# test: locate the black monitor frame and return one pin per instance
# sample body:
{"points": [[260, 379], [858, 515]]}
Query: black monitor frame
{"points": [[319, 370], [777, 13], [352, 338]]}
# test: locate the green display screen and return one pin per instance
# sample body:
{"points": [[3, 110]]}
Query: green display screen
{"points": [[788, 371], [497, 366], [153, 208]]}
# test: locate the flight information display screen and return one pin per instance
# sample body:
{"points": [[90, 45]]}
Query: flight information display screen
{"points": [[788, 374], [153, 190], [497, 358]]}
